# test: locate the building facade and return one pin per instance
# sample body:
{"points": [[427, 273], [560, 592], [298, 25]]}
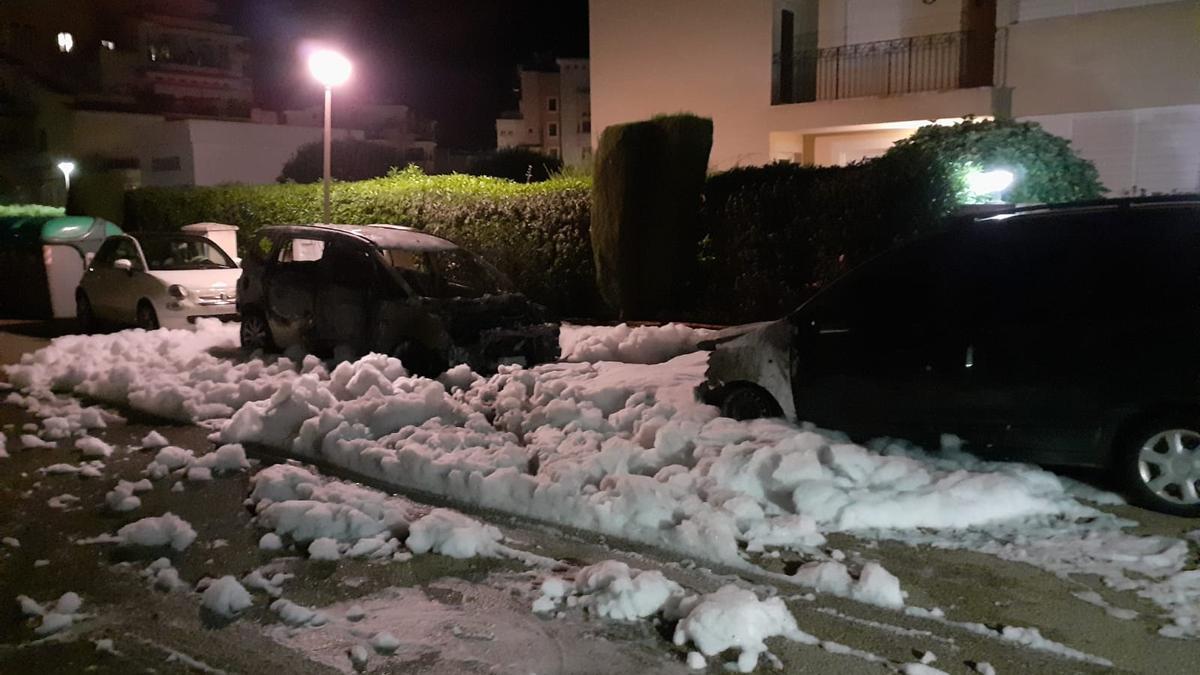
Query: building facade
{"points": [[156, 92], [554, 116], [833, 81]]}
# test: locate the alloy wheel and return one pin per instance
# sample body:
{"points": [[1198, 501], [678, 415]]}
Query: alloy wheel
{"points": [[253, 332], [1169, 466]]}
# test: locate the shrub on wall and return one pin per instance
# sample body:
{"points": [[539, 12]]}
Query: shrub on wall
{"points": [[517, 164], [537, 233], [350, 159], [1045, 167], [30, 211]]}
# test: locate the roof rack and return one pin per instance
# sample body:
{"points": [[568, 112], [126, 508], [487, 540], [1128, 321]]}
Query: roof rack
{"points": [[984, 211]]}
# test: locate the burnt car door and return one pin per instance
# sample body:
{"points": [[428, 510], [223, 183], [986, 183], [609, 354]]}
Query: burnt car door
{"points": [[883, 351], [291, 285], [346, 294]]}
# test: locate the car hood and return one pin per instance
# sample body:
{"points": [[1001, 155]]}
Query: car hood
{"points": [[201, 280]]}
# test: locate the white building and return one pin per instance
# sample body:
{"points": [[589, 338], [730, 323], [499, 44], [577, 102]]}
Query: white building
{"points": [[554, 115], [833, 81]]}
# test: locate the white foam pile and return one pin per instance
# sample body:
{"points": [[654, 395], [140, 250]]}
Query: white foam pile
{"points": [[225, 459], [452, 534], [3, 445], [165, 530], [616, 448], [54, 618], [225, 597], [629, 344], [62, 416], [123, 498], [89, 469], [163, 576], [730, 618]]}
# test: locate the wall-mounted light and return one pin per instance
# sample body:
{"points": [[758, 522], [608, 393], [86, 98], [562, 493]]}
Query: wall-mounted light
{"points": [[66, 42], [992, 183], [108, 44]]}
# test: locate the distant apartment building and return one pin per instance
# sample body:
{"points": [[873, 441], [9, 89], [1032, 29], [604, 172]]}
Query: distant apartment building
{"points": [[157, 91], [554, 116], [833, 81]]}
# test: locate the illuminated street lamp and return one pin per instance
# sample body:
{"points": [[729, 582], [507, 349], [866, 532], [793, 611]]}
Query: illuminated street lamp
{"points": [[331, 69], [67, 168]]}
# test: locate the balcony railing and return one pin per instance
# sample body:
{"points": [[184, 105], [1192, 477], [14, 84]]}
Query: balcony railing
{"points": [[885, 68]]}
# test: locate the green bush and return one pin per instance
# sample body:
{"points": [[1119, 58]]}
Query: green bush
{"points": [[537, 233], [30, 210], [517, 164], [769, 237], [350, 159], [645, 197], [1045, 167]]}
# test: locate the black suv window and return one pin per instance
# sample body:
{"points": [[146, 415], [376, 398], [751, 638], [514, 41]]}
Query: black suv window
{"points": [[920, 282]]}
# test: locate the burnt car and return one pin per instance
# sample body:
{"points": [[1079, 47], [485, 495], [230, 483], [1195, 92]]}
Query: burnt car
{"points": [[386, 289], [1060, 335]]}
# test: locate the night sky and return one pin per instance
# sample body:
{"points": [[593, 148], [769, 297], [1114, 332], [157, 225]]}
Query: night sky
{"points": [[451, 60]]}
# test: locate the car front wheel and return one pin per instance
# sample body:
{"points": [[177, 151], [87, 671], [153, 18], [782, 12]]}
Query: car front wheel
{"points": [[747, 402], [1161, 465], [255, 334], [146, 316]]}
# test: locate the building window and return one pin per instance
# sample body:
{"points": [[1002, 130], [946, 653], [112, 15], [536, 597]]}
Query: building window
{"points": [[552, 130], [66, 42], [552, 104], [108, 44], [554, 152], [585, 127]]}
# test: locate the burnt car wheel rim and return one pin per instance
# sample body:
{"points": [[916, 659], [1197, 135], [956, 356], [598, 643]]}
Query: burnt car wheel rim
{"points": [[1169, 465], [254, 331]]}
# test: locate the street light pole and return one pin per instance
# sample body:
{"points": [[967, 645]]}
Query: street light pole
{"points": [[330, 69], [328, 146]]}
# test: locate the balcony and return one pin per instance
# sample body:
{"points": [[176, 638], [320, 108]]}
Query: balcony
{"points": [[935, 62]]}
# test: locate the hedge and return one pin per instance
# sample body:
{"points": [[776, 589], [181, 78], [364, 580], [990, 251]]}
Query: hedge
{"points": [[537, 233], [769, 237], [648, 177]]}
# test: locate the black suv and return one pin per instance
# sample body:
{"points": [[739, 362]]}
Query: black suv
{"points": [[386, 289], [1063, 335]]}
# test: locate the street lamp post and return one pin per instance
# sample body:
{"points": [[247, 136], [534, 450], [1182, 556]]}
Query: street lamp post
{"points": [[330, 69], [67, 167]]}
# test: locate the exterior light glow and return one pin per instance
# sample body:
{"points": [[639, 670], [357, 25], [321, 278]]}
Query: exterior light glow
{"points": [[66, 42], [989, 183], [67, 167], [329, 67], [108, 44]]}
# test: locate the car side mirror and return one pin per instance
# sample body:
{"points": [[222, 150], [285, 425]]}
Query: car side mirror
{"points": [[123, 264]]}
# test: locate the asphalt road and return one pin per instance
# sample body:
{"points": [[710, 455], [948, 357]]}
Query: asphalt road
{"points": [[473, 616]]}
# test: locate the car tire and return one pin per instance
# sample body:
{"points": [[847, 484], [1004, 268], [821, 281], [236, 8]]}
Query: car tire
{"points": [[255, 332], [85, 317], [1159, 464], [748, 401], [147, 318], [419, 359]]}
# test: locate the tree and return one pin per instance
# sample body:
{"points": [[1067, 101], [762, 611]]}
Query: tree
{"points": [[1045, 167], [520, 164], [351, 159]]}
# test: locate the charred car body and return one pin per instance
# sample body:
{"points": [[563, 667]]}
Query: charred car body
{"points": [[386, 289], [1066, 335]]}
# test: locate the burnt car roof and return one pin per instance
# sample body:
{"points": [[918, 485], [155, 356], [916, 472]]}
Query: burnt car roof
{"points": [[383, 236]]}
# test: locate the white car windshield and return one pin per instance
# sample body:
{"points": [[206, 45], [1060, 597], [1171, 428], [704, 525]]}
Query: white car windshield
{"points": [[183, 253]]}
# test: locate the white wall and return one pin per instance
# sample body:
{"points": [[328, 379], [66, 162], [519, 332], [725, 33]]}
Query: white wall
{"points": [[1151, 149], [240, 152], [847, 22], [1029, 10]]}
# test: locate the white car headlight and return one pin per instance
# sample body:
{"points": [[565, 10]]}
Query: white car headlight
{"points": [[177, 291]]}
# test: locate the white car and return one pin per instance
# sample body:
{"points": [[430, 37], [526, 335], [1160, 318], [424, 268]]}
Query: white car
{"points": [[153, 280]]}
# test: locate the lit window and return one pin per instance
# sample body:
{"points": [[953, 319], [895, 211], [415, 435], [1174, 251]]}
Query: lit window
{"points": [[65, 42], [108, 44]]}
